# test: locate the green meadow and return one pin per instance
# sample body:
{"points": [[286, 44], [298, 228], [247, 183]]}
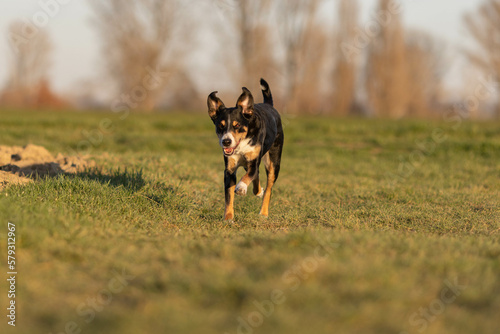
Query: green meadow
{"points": [[375, 226]]}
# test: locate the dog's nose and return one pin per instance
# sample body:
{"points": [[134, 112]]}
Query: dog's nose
{"points": [[226, 142]]}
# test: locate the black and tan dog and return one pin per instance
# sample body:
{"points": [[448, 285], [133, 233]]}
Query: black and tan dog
{"points": [[248, 134]]}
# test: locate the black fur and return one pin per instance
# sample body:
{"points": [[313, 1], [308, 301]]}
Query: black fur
{"points": [[266, 91], [262, 124]]}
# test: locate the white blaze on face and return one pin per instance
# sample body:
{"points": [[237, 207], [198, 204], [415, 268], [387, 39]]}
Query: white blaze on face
{"points": [[228, 134]]}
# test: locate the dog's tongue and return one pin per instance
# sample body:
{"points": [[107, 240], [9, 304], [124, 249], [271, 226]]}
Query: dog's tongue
{"points": [[228, 150]]}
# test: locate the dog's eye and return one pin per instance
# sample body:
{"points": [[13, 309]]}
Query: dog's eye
{"points": [[236, 126], [221, 126]]}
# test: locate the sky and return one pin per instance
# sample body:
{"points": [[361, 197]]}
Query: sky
{"points": [[76, 58]]}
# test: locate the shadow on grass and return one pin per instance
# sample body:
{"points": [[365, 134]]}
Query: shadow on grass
{"points": [[131, 180], [161, 193]]}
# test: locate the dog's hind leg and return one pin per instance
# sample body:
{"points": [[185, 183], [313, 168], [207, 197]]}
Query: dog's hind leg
{"points": [[271, 178], [264, 210], [272, 161], [257, 189]]}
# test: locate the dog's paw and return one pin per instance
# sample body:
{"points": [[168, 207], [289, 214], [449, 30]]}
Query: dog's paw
{"points": [[261, 193], [241, 189]]}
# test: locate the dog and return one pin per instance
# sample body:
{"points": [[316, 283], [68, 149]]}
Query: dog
{"points": [[248, 134]]}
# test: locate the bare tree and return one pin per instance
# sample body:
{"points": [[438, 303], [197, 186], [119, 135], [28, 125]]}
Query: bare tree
{"points": [[484, 26], [386, 74], [310, 94], [297, 28], [30, 64], [137, 36], [251, 19], [344, 75], [426, 65]]}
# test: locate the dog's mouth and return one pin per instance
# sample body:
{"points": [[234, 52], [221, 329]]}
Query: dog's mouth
{"points": [[230, 150]]}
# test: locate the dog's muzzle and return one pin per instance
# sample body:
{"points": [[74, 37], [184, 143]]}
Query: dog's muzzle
{"points": [[228, 151], [227, 143]]}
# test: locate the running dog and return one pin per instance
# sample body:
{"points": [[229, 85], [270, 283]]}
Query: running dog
{"points": [[248, 134]]}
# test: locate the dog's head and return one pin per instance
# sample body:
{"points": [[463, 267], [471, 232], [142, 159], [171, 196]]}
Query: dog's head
{"points": [[231, 124]]}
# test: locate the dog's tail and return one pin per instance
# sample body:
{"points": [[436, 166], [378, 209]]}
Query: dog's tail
{"points": [[266, 91]]}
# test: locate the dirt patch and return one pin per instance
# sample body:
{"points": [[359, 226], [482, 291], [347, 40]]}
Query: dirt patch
{"points": [[20, 165]]}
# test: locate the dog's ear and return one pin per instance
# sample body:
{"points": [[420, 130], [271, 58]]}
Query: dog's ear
{"points": [[214, 105], [245, 103]]}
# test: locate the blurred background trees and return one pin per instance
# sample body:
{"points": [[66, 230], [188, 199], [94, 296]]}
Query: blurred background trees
{"points": [[316, 61], [426, 65], [484, 27], [251, 22], [386, 75], [137, 38], [28, 84], [346, 65], [30, 58], [303, 46]]}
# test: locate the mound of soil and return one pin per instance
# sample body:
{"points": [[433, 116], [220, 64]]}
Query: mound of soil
{"points": [[20, 165]]}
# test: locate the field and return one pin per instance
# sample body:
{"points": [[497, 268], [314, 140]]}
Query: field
{"points": [[375, 227]]}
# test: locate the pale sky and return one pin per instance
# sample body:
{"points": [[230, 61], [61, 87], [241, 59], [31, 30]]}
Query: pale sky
{"points": [[76, 55]]}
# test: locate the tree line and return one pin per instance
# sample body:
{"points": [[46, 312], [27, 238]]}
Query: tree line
{"points": [[318, 63]]}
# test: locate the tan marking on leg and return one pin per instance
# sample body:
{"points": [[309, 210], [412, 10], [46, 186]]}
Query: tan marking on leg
{"points": [[229, 211], [256, 186], [242, 186], [233, 163], [266, 160], [252, 174], [264, 211], [246, 179]]}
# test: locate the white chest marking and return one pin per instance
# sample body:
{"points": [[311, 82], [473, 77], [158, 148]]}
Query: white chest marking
{"points": [[244, 147]]}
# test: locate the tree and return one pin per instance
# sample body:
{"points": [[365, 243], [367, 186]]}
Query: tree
{"points": [[30, 64], [386, 75], [484, 26], [137, 36], [310, 94], [344, 75], [303, 48], [426, 68], [251, 20]]}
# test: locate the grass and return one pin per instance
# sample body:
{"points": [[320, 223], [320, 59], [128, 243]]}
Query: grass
{"points": [[375, 227]]}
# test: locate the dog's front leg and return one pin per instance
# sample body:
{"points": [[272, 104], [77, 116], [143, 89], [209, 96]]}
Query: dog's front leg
{"points": [[252, 174], [229, 185]]}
